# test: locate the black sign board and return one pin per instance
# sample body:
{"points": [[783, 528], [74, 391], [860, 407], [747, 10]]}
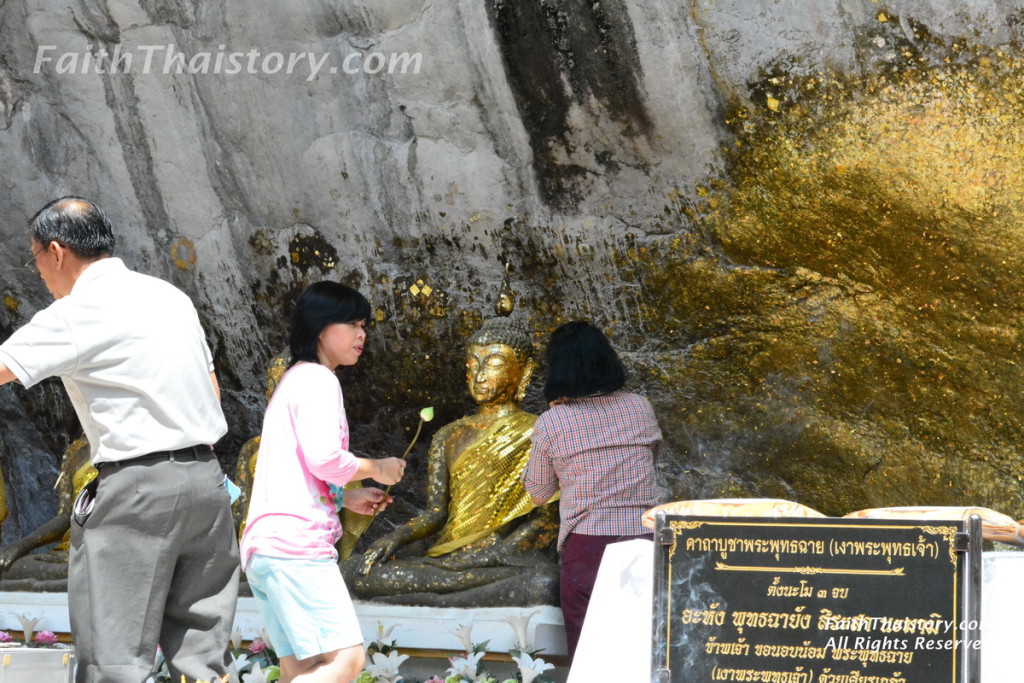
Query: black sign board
{"points": [[801, 600]]}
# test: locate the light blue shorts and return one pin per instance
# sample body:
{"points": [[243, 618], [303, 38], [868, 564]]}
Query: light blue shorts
{"points": [[305, 605]]}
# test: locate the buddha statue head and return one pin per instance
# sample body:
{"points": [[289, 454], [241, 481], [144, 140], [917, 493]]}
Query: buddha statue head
{"points": [[499, 362]]}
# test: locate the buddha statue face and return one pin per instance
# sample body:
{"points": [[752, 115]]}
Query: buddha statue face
{"points": [[499, 363], [493, 373]]}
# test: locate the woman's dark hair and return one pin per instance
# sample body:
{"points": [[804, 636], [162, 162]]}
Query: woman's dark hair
{"points": [[322, 304], [76, 223], [581, 362]]}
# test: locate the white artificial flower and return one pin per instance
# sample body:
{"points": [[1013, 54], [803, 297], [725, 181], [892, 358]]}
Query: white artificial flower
{"points": [[257, 675], [465, 666], [465, 635], [530, 668], [235, 641], [382, 632], [28, 625], [385, 667], [241, 662], [520, 625]]}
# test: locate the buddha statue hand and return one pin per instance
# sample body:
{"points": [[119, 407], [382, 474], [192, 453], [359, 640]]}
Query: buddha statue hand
{"points": [[501, 555], [380, 551], [460, 562], [10, 553]]}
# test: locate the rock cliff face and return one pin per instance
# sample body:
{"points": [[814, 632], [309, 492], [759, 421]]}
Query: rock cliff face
{"points": [[800, 222]]}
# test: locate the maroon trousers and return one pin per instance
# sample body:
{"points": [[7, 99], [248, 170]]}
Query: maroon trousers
{"points": [[581, 558]]}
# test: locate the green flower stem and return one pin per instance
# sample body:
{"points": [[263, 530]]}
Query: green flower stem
{"points": [[426, 415]]}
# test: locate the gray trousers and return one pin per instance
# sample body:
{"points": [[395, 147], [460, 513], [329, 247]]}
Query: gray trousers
{"points": [[155, 563]]}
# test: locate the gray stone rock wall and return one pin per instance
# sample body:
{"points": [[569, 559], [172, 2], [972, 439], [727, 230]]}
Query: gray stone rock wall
{"points": [[574, 140]]}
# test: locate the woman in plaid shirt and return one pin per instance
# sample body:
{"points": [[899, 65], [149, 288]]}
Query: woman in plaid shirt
{"points": [[598, 445]]}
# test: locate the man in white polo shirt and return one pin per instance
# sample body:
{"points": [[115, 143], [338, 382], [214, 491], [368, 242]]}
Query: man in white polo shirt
{"points": [[154, 559]]}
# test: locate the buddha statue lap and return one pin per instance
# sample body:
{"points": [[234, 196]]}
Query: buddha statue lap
{"points": [[48, 571], [481, 541]]}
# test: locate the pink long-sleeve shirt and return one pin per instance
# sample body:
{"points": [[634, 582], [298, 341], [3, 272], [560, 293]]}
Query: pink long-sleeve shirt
{"points": [[304, 446]]}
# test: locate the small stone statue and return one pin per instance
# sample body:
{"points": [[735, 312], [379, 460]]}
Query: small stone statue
{"points": [[49, 571], [487, 541]]}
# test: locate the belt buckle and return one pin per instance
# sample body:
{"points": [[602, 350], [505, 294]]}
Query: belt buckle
{"points": [[187, 454]]}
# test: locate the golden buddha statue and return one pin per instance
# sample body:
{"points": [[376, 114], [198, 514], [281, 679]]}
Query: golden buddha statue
{"points": [[481, 527], [49, 571]]}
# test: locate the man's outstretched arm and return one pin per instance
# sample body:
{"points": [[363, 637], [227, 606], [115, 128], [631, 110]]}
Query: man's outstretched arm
{"points": [[6, 375]]}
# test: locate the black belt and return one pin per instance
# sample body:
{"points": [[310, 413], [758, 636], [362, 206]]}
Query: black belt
{"points": [[190, 453]]}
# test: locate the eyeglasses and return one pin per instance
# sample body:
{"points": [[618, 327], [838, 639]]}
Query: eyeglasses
{"points": [[31, 263]]}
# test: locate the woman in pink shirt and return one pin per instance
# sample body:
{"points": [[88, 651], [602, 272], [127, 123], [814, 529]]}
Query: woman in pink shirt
{"points": [[288, 545]]}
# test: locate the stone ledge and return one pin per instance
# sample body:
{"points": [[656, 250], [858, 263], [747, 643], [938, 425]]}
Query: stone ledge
{"points": [[425, 629]]}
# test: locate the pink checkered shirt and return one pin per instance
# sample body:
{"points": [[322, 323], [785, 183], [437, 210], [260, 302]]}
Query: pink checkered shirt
{"points": [[600, 451]]}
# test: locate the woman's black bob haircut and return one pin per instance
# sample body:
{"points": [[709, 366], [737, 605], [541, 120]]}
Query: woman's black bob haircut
{"points": [[322, 304], [581, 362]]}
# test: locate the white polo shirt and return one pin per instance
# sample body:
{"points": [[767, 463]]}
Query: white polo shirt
{"points": [[133, 358]]}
